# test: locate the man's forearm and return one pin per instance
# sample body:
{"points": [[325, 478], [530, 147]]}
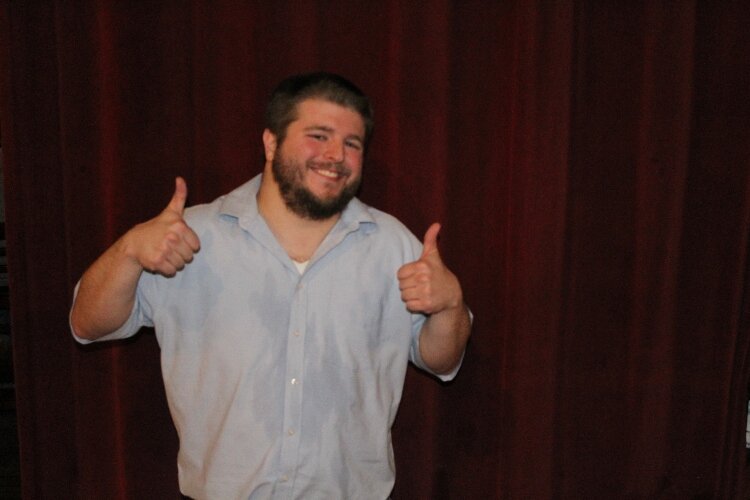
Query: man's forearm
{"points": [[443, 338], [106, 294], [163, 245]]}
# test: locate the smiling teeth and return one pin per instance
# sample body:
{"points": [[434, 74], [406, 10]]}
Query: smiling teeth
{"points": [[331, 174]]}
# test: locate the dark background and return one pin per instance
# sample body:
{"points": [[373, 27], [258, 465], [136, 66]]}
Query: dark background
{"points": [[590, 163]]}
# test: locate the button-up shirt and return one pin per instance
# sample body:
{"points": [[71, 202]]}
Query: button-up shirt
{"points": [[284, 384]]}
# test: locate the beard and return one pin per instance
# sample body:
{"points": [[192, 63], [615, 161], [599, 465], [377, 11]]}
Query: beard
{"points": [[289, 175]]}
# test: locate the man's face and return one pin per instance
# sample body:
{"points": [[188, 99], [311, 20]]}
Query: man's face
{"points": [[318, 166]]}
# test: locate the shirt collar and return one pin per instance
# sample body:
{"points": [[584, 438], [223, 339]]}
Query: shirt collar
{"points": [[242, 204]]}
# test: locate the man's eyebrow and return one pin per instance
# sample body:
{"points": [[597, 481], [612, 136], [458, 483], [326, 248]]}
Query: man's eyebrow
{"points": [[326, 128]]}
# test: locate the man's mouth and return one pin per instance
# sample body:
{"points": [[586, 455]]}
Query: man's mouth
{"points": [[330, 171]]}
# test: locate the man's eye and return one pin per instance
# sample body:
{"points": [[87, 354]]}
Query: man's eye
{"points": [[354, 145], [318, 137]]}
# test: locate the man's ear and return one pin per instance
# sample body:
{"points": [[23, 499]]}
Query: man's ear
{"points": [[269, 144]]}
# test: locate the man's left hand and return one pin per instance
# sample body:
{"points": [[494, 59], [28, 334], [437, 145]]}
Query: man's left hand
{"points": [[426, 285]]}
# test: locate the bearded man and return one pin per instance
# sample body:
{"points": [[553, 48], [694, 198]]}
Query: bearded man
{"points": [[286, 311]]}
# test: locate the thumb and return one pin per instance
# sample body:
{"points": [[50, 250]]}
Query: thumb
{"points": [[430, 240], [177, 203]]}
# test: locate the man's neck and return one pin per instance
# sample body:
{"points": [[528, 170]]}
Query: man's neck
{"points": [[299, 236]]}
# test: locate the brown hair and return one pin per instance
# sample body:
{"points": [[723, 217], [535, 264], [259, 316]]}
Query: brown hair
{"points": [[282, 107]]}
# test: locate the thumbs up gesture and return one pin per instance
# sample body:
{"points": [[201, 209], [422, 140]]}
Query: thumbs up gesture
{"points": [[165, 244], [426, 285]]}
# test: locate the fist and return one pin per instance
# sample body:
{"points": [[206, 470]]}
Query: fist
{"points": [[427, 285], [165, 244]]}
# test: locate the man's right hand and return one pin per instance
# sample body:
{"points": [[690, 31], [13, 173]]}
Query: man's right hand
{"points": [[107, 290], [164, 244]]}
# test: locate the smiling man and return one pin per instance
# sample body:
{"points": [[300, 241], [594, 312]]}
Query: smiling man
{"points": [[286, 311], [335, 136]]}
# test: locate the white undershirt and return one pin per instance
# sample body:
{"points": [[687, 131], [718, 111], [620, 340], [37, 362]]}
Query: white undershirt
{"points": [[301, 265]]}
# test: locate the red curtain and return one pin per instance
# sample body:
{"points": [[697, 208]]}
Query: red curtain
{"points": [[590, 162]]}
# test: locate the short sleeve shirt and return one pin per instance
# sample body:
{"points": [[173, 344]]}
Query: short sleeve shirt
{"points": [[284, 384]]}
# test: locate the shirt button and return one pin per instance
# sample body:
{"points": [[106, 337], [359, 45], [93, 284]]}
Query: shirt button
{"points": [[290, 432], [296, 333], [294, 381], [284, 478]]}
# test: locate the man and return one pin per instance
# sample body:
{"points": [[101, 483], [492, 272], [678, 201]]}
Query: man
{"points": [[286, 311]]}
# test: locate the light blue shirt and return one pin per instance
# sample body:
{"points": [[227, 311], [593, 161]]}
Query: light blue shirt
{"points": [[281, 384]]}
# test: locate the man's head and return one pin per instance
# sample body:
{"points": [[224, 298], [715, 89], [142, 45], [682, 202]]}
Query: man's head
{"points": [[317, 127], [282, 108]]}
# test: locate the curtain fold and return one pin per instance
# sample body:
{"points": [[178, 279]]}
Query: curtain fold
{"points": [[589, 161]]}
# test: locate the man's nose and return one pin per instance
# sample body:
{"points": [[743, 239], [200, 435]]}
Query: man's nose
{"points": [[335, 151]]}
